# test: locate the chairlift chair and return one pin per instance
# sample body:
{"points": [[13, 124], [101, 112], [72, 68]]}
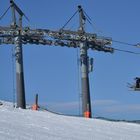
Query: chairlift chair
{"points": [[136, 85]]}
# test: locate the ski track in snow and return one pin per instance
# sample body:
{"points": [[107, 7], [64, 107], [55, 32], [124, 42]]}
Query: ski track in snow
{"points": [[19, 124]]}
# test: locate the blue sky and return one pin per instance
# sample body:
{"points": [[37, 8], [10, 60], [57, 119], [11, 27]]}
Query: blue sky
{"points": [[52, 72]]}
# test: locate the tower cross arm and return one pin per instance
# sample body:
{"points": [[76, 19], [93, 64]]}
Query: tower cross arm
{"points": [[94, 42], [62, 38], [101, 44]]}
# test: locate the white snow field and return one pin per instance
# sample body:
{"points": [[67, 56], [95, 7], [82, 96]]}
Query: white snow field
{"points": [[19, 124]]}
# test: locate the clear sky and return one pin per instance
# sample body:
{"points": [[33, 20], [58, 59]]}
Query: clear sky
{"points": [[52, 72]]}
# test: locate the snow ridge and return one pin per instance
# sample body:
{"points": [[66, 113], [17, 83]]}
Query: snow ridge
{"points": [[19, 124]]}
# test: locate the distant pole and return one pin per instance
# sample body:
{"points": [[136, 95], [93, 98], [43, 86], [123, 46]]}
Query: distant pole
{"points": [[86, 103], [35, 106], [36, 99]]}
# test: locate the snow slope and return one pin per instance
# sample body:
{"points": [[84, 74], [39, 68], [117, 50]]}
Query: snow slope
{"points": [[19, 124]]}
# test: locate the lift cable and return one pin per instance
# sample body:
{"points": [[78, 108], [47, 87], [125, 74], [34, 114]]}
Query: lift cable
{"points": [[69, 20], [126, 51], [124, 43], [87, 16], [1, 17], [89, 20]]}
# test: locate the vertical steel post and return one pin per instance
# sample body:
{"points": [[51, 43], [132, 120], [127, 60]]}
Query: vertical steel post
{"points": [[21, 102], [13, 14], [19, 74], [86, 103], [20, 90]]}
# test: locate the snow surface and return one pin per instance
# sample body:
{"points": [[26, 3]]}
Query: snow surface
{"points": [[19, 124]]}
